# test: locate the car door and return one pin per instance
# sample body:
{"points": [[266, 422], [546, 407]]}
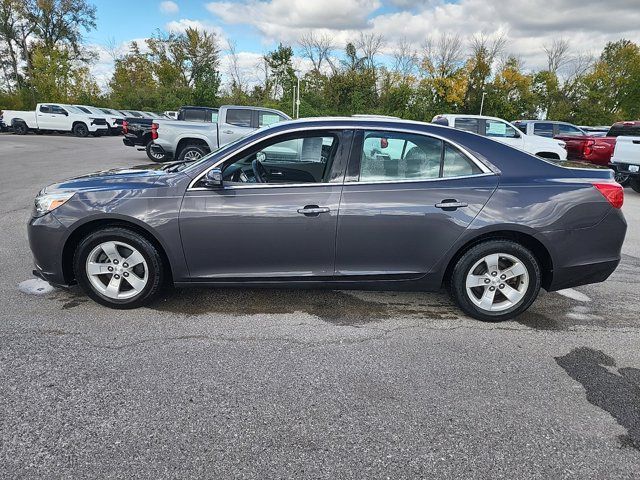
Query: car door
{"points": [[504, 133], [52, 117], [406, 199], [282, 228], [237, 123]]}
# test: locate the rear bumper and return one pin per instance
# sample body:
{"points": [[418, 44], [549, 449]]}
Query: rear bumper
{"points": [[626, 168], [586, 255]]}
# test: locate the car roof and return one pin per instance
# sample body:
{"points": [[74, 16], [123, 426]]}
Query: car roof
{"points": [[463, 115]]}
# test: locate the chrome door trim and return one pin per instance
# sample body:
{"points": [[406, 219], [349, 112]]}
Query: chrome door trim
{"points": [[486, 170]]}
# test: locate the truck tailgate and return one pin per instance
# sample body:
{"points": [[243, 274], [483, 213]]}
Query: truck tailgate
{"points": [[627, 152]]}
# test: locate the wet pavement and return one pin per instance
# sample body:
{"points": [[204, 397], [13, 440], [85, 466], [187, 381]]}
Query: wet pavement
{"points": [[262, 383]]}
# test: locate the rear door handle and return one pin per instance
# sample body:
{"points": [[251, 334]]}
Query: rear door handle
{"points": [[313, 210], [228, 132], [451, 205]]}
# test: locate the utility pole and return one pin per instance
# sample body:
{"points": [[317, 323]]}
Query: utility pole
{"points": [[293, 103]]}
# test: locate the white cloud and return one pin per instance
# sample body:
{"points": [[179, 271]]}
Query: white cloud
{"points": [[179, 26], [169, 8]]}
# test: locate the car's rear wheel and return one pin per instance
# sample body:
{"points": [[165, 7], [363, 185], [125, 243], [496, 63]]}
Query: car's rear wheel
{"points": [[155, 156], [635, 184], [495, 280], [191, 153], [80, 130], [20, 128], [118, 268], [622, 178]]}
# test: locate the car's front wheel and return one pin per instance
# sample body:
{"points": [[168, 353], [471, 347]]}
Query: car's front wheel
{"points": [[118, 268], [495, 280], [80, 130], [622, 178]]}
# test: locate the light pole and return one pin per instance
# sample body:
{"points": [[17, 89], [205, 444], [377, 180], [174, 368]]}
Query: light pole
{"points": [[482, 101], [298, 97]]}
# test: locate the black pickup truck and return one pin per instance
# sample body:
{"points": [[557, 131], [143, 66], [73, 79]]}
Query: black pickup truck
{"points": [[137, 130]]}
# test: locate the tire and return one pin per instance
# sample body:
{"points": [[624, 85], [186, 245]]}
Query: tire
{"points": [[635, 184], [80, 130], [156, 157], [622, 178], [192, 152], [97, 133], [113, 288], [20, 128], [523, 288]]}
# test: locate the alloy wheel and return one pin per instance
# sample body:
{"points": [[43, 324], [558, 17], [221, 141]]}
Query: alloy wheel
{"points": [[497, 282], [117, 270], [192, 155]]}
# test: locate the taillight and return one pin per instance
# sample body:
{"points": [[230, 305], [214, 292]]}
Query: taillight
{"points": [[125, 126], [587, 148], [154, 131], [613, 192]]}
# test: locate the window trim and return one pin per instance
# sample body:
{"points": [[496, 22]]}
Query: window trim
{"points": [[356, 129]]}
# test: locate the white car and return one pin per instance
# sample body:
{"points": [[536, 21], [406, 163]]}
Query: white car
{"points": [[114, 120], [504, 132], [626, 154], [55, 117]]}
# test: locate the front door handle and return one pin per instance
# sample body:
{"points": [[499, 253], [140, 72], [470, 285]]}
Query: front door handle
{"points": [[450, 204], [313, 210], [228, 132]]}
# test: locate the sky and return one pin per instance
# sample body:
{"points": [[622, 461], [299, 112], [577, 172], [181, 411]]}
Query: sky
{"points": [[256, 26]]}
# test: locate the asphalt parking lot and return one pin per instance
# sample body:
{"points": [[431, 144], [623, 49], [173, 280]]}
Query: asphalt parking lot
{"points": [[313, 384]]}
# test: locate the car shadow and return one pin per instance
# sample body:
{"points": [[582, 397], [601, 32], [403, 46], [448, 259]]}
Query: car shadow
{"points": [[616, 391], [332, 306]]}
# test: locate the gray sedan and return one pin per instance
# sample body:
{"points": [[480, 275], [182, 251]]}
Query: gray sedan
{"points": [[365, 203]]}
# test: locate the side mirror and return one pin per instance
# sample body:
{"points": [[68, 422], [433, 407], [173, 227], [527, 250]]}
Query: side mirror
{"points": [[213, 178]]}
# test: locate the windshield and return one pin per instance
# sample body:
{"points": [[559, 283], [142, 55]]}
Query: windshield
{"points": [[224, 148], [73, 109]]}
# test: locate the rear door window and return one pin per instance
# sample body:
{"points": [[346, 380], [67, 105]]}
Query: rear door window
{"points": [[456, 164], [467, 124], [240, 117], [543, 129]]}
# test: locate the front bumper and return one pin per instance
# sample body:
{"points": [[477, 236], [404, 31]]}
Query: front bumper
{"points": [[46, 240]]}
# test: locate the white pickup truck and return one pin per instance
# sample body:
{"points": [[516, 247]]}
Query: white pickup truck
{"points": [[55, 117], [626, 154], [502, 131], [189, 141]]}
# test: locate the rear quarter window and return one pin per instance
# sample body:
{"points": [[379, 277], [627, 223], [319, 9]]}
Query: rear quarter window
{"points": [[467, 124]]}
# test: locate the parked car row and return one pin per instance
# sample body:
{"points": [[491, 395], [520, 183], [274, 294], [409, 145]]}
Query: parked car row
{"points": [[81, 120], [618, 148]]}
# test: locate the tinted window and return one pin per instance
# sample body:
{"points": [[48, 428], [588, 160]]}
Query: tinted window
{"points": [[239, 117], [194, 115], [456, 164], [622, 130], [564, 129], [268, 118], [57, 109], [543, 129], [495, 128], [468, 124], [388, 156], [45, 108], [521, 126], [85, 110]]}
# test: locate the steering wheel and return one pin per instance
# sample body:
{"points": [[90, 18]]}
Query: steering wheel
{"points": [[259, 172]]}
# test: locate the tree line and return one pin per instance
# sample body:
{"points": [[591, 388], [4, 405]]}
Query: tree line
{"points": [[44, 57]]}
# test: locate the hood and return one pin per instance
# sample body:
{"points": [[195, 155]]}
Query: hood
{"points": [[142, 176]]}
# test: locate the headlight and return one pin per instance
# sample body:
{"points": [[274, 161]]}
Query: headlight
{"points": [[46, 202]]}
